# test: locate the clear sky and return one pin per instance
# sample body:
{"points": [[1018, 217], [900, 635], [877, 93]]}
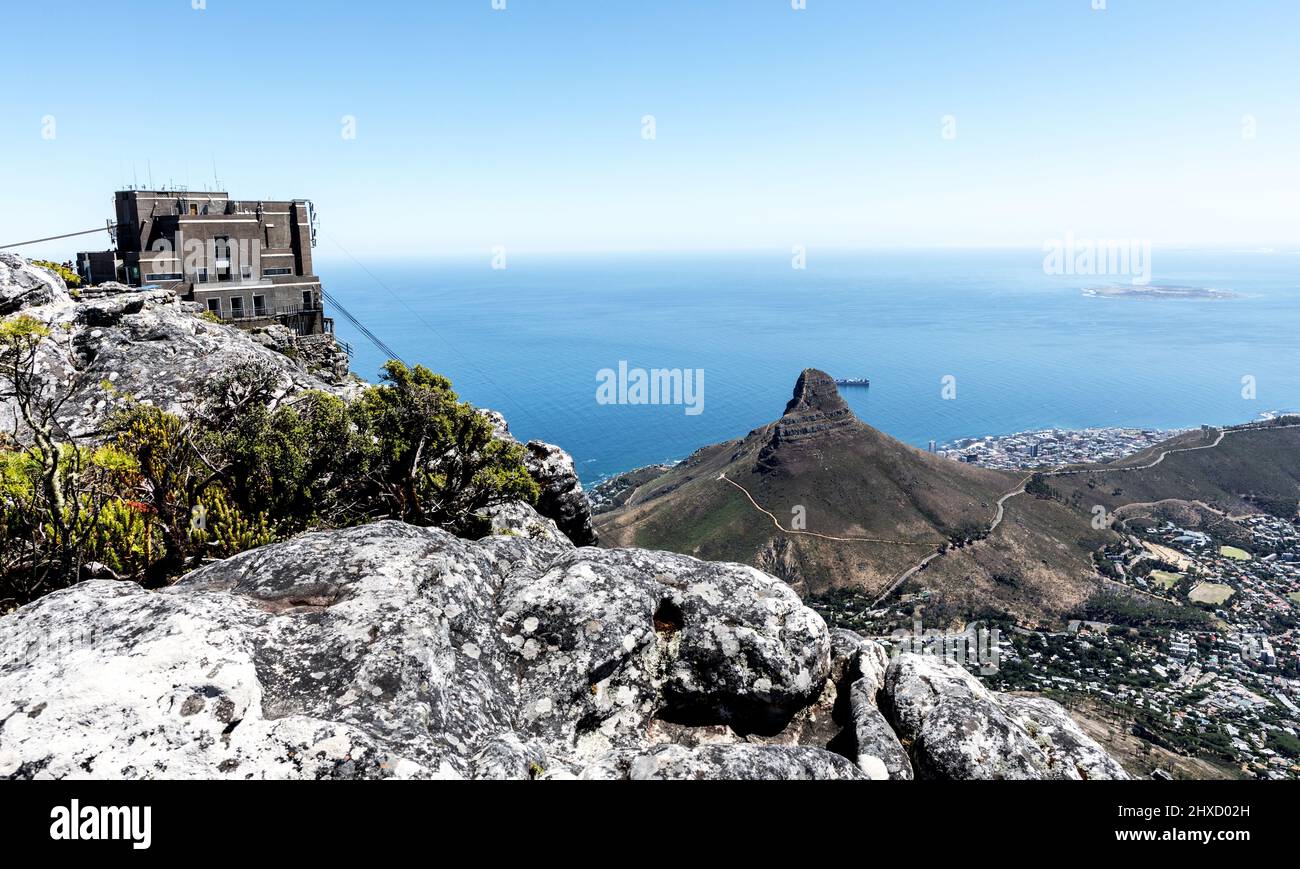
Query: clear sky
{"points": [[523, 127]]}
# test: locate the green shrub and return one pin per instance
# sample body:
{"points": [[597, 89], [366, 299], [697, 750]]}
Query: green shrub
{"points": [[432, 459], [70, 277], [244, 467]]}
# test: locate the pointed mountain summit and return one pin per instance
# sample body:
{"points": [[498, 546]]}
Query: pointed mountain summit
{"points": [[816, 409], [826, 501], [815, 393]]}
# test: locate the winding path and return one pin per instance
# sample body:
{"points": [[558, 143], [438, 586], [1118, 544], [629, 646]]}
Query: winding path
{"points": [[1061, 472], [1000, 512], [777, 523]]}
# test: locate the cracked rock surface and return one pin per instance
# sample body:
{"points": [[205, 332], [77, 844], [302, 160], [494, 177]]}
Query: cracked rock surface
{"points": [[958, 729], [389, 650]]}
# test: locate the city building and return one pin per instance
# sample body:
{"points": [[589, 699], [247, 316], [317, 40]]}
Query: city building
{"points": [[246, 261]]}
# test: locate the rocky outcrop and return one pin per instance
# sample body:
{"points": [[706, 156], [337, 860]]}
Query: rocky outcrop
{"points": [[958, 729], [815, 412], [320, 355], [391, 650], [880, 754], [562, 497], [116, 343], [394, 651], [730, 762], [520, 519], [816, 407], [25, 286], [323, 356]]}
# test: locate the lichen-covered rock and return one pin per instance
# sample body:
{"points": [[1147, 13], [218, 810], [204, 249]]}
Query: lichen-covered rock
{"points": [[742, 762], [562, 497], [520, 519], [824, 722], [395, 651], [958, 729], [1062, 739], [276, 337], [324, 357], [880, 755], [613, 638], [119, 344], [24, 286]]}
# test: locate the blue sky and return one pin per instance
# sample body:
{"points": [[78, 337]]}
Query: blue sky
{"points": [[774, 127]]}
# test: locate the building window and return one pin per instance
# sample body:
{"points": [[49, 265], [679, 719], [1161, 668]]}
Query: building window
{"points": [[308, 299], [194, 210], [214, 305], [236, 307], [221, 250], [276, 271], [259, 306], [202, 275], [246, 272], [164, 276]]}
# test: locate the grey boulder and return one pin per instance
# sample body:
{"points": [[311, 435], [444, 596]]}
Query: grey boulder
{"points": [[741, 762], [394, 651], [562, 497], [880, 755], [958, 729], [24, 286]]}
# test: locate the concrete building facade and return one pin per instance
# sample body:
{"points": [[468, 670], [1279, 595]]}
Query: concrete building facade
{"points": [[246, 261]]}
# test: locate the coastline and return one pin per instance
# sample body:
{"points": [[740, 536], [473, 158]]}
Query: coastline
{"points": [[602, 490]]}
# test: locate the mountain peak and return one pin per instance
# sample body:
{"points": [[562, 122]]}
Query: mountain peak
{"points": [[815, 392], [814, 411]]}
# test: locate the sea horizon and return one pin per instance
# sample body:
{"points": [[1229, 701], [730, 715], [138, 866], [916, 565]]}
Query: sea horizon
{"points": [[1027, 350]]}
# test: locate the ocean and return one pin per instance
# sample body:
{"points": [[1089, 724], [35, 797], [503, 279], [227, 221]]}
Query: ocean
{"points": [[1024, 350]]}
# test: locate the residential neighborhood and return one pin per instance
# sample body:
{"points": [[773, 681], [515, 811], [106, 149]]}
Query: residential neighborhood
{"points": [[1196, 649], [1053, 447]]}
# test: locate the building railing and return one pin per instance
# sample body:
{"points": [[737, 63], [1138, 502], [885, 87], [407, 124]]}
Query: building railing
{"points": [[300, 318], [265, 313]]}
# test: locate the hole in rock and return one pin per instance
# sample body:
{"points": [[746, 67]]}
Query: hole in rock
{"points": [[668, 618]]}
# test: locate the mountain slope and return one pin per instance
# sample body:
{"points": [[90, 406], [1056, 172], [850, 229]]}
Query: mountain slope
{"points": [[873, 508], [1237, 470]]}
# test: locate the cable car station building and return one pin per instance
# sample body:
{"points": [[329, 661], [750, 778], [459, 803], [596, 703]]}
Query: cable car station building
{"points": [[246, 261]]}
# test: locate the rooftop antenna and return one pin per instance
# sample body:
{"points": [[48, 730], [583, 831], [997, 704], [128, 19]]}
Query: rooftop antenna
{"points": [[216, 185], [149, 164]]}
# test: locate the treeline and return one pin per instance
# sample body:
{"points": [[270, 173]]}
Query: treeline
{"points": [[154, 494], [1118, 607]]}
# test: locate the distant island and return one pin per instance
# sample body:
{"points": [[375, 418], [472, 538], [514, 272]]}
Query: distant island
{"points": [[1151, 292]]}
